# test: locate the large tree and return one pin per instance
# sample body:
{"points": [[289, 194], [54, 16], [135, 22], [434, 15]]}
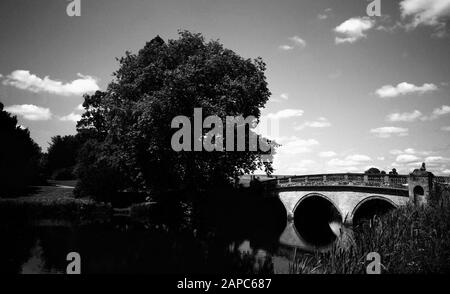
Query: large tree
{"points": [[132, 118], [19, 156]]}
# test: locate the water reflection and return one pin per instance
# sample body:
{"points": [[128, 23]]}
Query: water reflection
{"points": [[245, 239], [36, 263]]}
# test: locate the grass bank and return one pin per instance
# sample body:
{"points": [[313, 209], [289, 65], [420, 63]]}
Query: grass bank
{"points": [[51, 203]]}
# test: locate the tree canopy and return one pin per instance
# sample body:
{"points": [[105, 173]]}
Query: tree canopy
{"points": [[131, 120], [374, 171], [19, 155]]}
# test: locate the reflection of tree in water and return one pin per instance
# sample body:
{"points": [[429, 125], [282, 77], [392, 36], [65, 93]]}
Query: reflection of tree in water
{"points": [[15, 247], [37, 264], [244, 259], [253, 227]]}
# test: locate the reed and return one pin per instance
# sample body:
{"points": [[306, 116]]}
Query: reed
{"points": [[410, 240]]}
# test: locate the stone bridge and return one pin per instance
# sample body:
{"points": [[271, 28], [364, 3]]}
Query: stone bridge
{"points": [[348, 192], [342, 198], [323, 202]]}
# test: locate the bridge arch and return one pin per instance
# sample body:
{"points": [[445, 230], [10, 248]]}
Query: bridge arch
{"points": [[313, 215], [315, 194], [364, 204]]}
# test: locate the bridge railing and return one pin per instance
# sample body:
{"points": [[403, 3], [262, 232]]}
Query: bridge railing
{"points": [[442, 180], [341, 179]]}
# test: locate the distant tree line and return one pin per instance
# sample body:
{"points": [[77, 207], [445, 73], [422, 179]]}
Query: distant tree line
{"points": [[376, 171]]}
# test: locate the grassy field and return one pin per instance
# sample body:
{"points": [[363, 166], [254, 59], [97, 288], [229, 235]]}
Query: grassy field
{"points": [[51, 202]]}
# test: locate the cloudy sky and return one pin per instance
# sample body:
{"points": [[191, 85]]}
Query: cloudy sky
{"points": [[349, 91]]}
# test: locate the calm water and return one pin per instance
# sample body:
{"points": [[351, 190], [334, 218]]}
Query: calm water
{"points": [[243, 238]]}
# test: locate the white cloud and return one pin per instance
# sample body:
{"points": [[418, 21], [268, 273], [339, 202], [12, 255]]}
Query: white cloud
{"points": [[404, 117], [386, 132], [438, 112], [286, 47], [436, 159], [296, 146], [284, 96], [321, 122], [350, 164], [325, 154], [389, 91], [407, 158], [24, 80], [73, 117], [285, 113], [301, 167], [30, 112], [445, 109], [298, 41], [80, 107], [446, 128], [433, 13], [410, 151], [446, 171], [325, 14], [353, 29]]}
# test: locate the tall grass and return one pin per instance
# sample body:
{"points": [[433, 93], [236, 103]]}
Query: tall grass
{"points": [[409, 240]]}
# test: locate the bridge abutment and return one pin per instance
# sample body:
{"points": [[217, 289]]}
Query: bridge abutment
{"points": [[420, 185]]}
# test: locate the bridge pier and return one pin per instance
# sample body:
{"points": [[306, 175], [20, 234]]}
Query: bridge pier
{"points": [[420, 185]]}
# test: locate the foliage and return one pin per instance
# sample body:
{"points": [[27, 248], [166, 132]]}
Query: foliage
{"points": [[62, 156], [97, 174], [19, 156], [374, 171], [131, 120]]}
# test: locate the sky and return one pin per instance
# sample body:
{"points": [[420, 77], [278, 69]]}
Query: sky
{"points": [[349, 91]]}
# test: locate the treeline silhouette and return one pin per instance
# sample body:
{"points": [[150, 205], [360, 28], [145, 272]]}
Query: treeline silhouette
{"points": [[20, 157]]}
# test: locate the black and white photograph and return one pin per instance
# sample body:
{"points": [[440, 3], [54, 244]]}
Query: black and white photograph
{"points": [[243, 140]]}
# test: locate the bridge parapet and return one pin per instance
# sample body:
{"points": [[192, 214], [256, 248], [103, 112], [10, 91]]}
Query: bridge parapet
{"points": [[442, 180], [341, 179]]}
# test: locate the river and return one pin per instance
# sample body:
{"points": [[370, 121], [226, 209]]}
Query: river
{"points": [[246, 238]]}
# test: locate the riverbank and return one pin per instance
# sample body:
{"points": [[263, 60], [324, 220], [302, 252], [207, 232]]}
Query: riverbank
{"points": [[409, 240], [52, 202]]}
